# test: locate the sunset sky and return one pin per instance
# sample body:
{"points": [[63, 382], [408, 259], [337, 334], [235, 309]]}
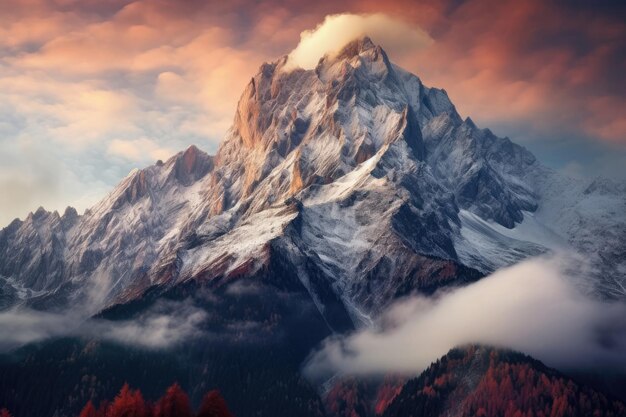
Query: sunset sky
{"points": [[90, 89]]}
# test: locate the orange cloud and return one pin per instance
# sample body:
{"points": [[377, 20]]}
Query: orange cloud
{"points": [[142, 150], [538, 56], [78, 75], [532, 63]]}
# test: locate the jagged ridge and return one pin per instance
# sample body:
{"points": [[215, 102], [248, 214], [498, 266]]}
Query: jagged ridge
{"points": [[355, 175]]}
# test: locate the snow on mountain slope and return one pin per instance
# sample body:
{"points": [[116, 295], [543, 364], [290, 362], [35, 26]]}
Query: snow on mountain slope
{"points": [[585, 218], [354, 176], [591, 216], [69, 259], [489, 246]]}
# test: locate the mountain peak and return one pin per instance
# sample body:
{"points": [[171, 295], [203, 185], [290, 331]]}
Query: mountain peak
{"points": [[371, 54], [470, 122], [39, 213], [356, 47], [70, 213], [365, 147], [192, 165]]}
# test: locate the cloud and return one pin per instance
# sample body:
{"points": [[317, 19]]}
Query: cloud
{"points": [[162, 326], [537, 71], [338, 30], [102, 89], [33, 173], [21, 327], [141, 150], [530, 307], [77, 75]]}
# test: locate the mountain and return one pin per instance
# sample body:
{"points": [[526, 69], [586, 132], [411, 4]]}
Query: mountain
{"points": [[347, 175], [336, 191], [474, 381]]}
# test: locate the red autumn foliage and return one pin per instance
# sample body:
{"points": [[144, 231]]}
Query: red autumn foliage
{"points": [[429, 391], [89, 411], [487, 382], [5, 413], [214, 405], [174, 403], [128, 403], [518, 390], [102, 409], [387, 392], [346, 398]]}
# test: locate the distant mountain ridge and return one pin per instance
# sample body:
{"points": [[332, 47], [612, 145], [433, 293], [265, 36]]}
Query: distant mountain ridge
{"points": [[474, 381], [356, 177]]}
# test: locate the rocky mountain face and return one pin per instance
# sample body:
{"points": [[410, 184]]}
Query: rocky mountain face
{"points": [[354, 177]]}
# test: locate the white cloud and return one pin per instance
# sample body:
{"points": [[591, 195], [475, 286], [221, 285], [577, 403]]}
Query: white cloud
{"points": [[530, 307], [21, 327], [163, 325], [329, 37]]}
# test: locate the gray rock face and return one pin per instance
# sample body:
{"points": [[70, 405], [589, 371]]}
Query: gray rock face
{"points": [[354, 175], [484, 171]]}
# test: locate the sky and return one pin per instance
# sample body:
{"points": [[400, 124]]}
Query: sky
{"points": [[91, 89]]}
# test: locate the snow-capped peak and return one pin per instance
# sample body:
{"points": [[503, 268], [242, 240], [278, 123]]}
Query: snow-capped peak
{"points": [[352, 181]]}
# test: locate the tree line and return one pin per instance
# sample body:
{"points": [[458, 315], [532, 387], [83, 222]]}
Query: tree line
{"points": [[174, 403]]}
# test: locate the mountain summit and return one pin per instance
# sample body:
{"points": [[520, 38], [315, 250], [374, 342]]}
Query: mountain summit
{"points": [[353, 183]]}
